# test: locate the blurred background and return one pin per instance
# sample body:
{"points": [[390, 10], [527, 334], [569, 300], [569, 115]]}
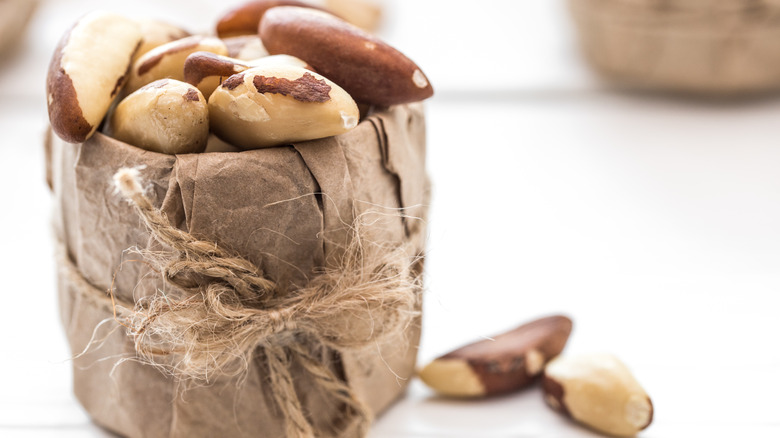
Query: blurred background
{"points": [[650, 218]]}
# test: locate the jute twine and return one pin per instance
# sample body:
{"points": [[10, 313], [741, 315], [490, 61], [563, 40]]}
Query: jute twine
{"points": [[226, 310]]}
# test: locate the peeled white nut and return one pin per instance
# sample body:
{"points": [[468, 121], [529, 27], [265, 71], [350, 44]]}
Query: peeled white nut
{"points": [[87, 71], [167, 60], [599, 391], [207, 71], [273, 105], [156, 33], [166, 116], [245, 47]]}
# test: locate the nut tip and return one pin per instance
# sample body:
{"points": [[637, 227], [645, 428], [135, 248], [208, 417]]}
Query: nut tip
{"points": [[349, 120], [534, 362], [419, 79], [639, 412], [454, 378]]}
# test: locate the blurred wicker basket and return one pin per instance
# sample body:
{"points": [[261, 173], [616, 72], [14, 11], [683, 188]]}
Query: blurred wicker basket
{"points": [[697, 46], [14, 17]]}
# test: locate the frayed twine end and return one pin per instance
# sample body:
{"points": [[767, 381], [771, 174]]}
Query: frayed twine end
{"points": [[127, 181]]}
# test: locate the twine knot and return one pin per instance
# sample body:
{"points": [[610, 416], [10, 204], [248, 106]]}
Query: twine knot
{"points": [[226, 309], [281, 321]]}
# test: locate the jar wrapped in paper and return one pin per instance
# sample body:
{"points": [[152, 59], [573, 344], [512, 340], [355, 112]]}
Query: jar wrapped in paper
{"points": [[271, 292]]}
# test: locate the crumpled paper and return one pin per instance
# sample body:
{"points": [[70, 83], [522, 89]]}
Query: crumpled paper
{"points": [[286, 209]]}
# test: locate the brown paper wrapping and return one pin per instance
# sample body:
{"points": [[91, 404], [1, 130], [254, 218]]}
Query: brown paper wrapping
{"points": [[285, 209], [695, 46]]}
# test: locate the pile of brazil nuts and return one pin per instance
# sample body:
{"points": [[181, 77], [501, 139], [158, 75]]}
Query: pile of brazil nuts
{"points": [[276, 72], [597, 390]]}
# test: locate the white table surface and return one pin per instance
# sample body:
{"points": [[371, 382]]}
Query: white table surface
{"points": [[653, 222]]}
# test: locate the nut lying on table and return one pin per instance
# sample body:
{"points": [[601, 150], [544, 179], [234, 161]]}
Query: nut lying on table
{"points": [[87, 71], [599, 391], [508, 362], [166, 116], [271, 105]]}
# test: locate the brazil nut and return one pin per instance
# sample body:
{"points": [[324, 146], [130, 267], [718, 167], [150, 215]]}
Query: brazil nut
{"points": [[87, 70], [206, 70], [244, 19], [367, 68], [273, 105], [167, 60], [245, 47], [599, 391], [156, 33], [166, 116], [501, 364]]}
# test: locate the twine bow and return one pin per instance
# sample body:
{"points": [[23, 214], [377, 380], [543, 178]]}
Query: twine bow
{"points": [[228, 308]]}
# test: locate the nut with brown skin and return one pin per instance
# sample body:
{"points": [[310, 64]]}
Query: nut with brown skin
{"points": [[370, 70], [166, 116], [599, 391], [156, 33], [244, 19], [505, 363], [273, 105], [167, 60], [87, 70], [207, 71]]}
